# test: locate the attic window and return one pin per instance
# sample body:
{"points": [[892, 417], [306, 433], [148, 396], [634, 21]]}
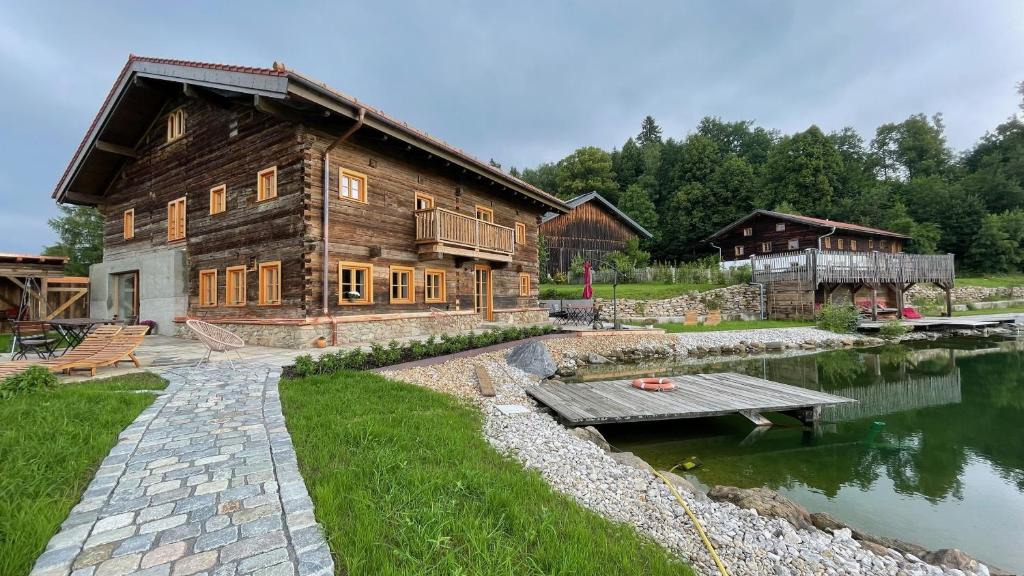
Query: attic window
{"points": [[175, 124], [780, 227], [748, 231]]}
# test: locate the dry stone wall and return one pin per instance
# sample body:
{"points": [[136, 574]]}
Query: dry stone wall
{"points": [[964, 294], [735, 302]]}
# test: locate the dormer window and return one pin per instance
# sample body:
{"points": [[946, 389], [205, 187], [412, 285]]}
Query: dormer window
{"points": [[175, 124]]}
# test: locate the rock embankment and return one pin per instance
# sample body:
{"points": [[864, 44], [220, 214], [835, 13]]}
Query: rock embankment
{"points": [[624, 488]]}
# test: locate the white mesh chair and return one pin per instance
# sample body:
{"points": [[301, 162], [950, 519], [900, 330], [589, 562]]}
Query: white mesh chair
{"points": [[216, 339]]}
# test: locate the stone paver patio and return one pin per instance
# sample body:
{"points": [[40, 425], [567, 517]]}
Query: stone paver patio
{"points": [[205, 481]]}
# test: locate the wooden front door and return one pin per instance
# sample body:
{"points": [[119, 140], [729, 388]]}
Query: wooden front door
{"points": [[126, 295], [483, 300]]}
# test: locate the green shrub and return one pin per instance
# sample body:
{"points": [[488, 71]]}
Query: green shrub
{"points": [[304, 366], [31, 380], [840, 318], [549, 294], [893, 329]]}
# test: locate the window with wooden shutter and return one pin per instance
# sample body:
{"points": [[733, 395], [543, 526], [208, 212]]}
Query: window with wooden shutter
{"points": [[266, 184], [218, 199], [355, 283], [270, 283], [352, 186], [403, 286], [175, 124], [129, 224], [434, 286], [520, 233], [234, 291], [207, 288], [424, 201], [524, 285], [176, 220]]}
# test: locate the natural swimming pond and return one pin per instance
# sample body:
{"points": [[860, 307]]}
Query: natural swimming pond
{"points": [[933, 452]]}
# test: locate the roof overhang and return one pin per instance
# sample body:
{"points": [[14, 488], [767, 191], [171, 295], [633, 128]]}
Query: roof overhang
{"points": [[145, 85], [825, 224], [589, 196]]}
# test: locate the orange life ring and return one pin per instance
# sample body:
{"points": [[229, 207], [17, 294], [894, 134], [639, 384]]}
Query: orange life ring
{"points": [[653, 384]]}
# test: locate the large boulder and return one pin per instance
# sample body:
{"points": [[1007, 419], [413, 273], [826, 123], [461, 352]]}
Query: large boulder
{"points": [[766, 502], [532, 358], [593, 435], [631, 460]]}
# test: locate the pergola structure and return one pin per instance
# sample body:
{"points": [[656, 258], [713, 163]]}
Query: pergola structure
{"points": [[27, 281]]}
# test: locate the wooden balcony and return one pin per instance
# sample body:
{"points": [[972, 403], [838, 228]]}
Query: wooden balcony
{"points": [[816, 267], [440, 232]]}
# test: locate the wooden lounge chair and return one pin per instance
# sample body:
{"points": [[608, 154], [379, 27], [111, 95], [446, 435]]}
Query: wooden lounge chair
{"points": [[120, 349], [95, 342], [691, 318], [714, 318]]}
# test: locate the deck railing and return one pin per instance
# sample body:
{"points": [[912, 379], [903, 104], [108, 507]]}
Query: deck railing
{"points": [[837, 267], [452, 228]]}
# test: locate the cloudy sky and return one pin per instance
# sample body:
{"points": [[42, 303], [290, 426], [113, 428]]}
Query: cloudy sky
{"points": [[522, 82]]}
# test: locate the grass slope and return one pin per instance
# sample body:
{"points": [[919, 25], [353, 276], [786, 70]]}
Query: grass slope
{"points": [[51, 443], [404, 483], [629, 291], [734, 325], [1005, 281]]}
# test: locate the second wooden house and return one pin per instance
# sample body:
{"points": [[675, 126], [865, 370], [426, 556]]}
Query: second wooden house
{"points": [[265, 201]]}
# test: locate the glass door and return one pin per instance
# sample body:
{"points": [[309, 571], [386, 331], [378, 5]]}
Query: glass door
{"points": [[126, 295], [482, 300]]}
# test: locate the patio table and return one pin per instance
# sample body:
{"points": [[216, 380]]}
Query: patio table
{"points": [[74, 330]]}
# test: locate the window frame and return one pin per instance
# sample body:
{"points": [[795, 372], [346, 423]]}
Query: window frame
{"points": [[766, 247], [441, 284], [748, 231], [793, 244], [853, 245], [828, 242], [220, 190], [345, 172], [520, 238], [737, 250], [172, 231], [525, 284], [840, 244], [425, 197], [480, 209], [780, 226], [175, 124], [392, 299], [128, 224], [367, 297], [261, 298], [262, 194], [229, 285], [204, 274], [871, 243]]}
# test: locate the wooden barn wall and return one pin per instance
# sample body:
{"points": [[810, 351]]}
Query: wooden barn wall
{"points": [[589, 230], [220, 146], [807, 235], [385, 225]]}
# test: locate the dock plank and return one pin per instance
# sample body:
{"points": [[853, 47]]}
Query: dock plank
{"points": [[695, 396]]}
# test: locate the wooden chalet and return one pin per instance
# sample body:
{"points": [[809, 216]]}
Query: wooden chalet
{"points": [[592, 228], [217, 205], [804, 262]]}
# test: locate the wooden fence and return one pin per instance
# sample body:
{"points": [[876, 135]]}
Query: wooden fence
{"points": [[813, 267]]}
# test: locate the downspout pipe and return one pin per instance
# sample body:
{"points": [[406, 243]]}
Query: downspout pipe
{"points": [[325, 268], [825, 236]]}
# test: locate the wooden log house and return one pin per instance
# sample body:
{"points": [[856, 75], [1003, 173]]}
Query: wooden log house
{"points": [[212, 182], [592, 228], [803, 262]]}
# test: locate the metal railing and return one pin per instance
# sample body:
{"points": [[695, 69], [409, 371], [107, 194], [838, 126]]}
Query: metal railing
{"points": [[833, 266], [452, 228]]}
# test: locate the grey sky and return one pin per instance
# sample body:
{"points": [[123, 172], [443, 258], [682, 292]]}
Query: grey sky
{"points": [[522, 82]]}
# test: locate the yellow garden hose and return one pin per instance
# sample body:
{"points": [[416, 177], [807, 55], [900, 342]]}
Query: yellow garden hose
{"points": [[693, 518]]}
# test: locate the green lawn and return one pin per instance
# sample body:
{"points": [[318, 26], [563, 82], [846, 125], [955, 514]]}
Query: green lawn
{"points": [[734, 325], [1002, 281], [630, 291], [51, 443], [404, 483]]}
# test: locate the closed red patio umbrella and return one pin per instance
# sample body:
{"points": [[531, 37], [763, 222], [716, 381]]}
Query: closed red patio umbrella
{"points": [[588, 290]]}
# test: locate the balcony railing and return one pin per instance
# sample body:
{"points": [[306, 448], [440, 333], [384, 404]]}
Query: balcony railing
{"points": [[836, 267], [444, 231]]}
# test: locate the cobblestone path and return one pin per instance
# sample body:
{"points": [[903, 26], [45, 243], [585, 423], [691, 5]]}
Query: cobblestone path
{"points": [[205, 481]]}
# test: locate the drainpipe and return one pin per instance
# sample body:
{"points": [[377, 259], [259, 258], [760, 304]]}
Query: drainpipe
{"points": [[325, 274], [713, 245], [825, 235]]}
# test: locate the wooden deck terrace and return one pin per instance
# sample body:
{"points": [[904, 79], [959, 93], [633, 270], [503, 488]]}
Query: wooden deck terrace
{"points": [[816, 267], [695, 396]]}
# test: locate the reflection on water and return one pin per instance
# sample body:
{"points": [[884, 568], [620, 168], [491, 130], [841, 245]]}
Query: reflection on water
{"points": [[932, 453]]}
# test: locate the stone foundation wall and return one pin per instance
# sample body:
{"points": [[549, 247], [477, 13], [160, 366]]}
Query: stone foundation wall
{"points": [[739, 301], [380, 328], [964, 294]]}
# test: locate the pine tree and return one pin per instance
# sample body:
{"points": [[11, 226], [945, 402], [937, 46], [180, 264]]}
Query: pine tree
{"points": [[650, 133]]}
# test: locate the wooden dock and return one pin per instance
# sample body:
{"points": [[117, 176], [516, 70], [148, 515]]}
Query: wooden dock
{"points": [[695, 396], [946, 323]]}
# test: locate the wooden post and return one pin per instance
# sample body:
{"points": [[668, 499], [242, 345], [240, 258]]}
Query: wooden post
{"points": [[874, 302], [899, 301], [949, 301]]}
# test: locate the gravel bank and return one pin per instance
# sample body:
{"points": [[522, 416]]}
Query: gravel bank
{"points": [[748, 543]]}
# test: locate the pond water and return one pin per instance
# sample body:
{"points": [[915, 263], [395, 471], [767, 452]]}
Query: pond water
{"points": [[933, 452]]}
